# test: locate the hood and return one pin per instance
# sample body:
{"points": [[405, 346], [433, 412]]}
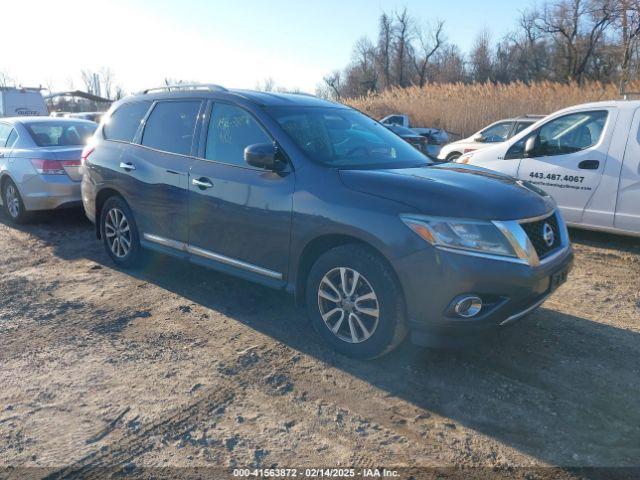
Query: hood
{"points": [[451, 190]]}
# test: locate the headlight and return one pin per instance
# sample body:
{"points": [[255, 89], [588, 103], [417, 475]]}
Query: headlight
{"points": [[464, 235]]}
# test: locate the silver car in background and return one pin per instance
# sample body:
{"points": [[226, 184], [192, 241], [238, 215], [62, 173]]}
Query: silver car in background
{"points": [[40, 163]]}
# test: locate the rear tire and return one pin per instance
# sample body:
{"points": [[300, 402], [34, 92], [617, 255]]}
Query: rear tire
{"points": [[119, 233], [355, 302], [12, 202]]}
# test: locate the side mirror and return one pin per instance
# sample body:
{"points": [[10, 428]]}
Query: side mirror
{"points": [[263, 155], [530, 145], [479, 138]]}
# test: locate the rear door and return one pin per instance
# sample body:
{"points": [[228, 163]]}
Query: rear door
{"points": [[158, 168], [239, 215], [569, 158]]}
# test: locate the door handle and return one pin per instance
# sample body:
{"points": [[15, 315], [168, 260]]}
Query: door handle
{"points": [[127, 166], [202, 183], [589, 165]]}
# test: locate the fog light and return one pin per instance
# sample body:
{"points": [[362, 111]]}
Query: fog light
{"points": [[467, 306]]}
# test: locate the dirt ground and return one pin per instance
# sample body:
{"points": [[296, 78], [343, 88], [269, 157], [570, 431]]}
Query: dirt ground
{"points": [[178, 366]]}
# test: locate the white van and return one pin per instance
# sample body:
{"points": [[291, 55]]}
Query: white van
{"points": [[20, 102], [587, 157]]}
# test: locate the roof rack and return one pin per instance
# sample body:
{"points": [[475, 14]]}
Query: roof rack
{"points": [[212, 87]]}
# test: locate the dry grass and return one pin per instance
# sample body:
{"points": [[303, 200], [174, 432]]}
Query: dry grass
{"points": [[465, 108]]}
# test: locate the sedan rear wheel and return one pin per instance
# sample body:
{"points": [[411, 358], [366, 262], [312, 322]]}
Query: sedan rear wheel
{"points": [[13, 205]]}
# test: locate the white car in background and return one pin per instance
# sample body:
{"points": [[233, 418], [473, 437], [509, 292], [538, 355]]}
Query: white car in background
{"points": [[587, 157], [496, 132]]}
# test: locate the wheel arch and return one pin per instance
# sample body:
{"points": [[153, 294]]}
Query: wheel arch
{"points": [[103, 195], [322, 244]]}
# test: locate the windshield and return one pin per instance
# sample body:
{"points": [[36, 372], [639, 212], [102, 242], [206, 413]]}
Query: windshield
{"points": [[345, 138], [60, 134]]}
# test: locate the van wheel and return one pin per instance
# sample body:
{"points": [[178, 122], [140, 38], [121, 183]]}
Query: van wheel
{"points": [[355, 302], [120, 233], [453, 156], [12, 202]]}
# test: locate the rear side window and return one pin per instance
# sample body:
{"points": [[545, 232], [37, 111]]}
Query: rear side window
{"points": [[171, 126], [13, 137], [124, 122], [231, 130], [5, 131]]}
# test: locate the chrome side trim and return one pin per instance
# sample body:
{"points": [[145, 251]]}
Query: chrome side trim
{"points": [[167, 242], [233, 262], [521, 314]]}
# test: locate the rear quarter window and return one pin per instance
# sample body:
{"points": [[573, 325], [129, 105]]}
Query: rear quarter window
{"points": [[123, 124]]}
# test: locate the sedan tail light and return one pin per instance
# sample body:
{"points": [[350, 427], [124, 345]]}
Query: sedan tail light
{"points": [[53, 167]]}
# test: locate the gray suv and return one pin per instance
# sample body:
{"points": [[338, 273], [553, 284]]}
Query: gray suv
{"points": [[317, 199]]}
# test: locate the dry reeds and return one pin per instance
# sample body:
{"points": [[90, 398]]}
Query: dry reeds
{"points": [[465, 108]]}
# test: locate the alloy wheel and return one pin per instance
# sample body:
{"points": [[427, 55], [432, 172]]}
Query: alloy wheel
{"points": [[118, 233], [348, 305], [12, 200]]}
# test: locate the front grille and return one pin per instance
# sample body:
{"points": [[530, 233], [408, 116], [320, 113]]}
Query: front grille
{"points": [[536, 233]]}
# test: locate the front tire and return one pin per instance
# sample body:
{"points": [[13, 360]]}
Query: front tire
{"points": [[453, 156], [12, 202], [355, 302], [120, 233]]}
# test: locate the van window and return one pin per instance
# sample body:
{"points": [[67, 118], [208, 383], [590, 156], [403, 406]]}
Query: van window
{"points": [[5, 131], [570, 133], [171, 126], [231, 130], [123, 124]]}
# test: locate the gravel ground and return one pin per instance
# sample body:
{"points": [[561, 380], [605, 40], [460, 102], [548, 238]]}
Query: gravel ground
{"points": [[177, 366]]}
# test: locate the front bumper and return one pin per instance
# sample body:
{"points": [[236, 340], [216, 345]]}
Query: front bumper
{"points": [[432, 278], [48, 192]]}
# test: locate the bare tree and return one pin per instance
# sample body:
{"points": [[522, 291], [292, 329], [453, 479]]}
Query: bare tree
{"points": [[402, 42], [628, 26], [577, 26], [430, 41], [107, 80], [89, 79], [268, 85], [383, 54], [5, 79], [480, 57], [119, 93], [332, 81]]}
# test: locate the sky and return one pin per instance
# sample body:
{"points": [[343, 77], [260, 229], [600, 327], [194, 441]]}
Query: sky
{"points": [[235, 43]]}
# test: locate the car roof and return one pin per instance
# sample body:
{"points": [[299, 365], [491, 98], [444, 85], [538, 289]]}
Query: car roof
{"points": [[252, 96]]}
